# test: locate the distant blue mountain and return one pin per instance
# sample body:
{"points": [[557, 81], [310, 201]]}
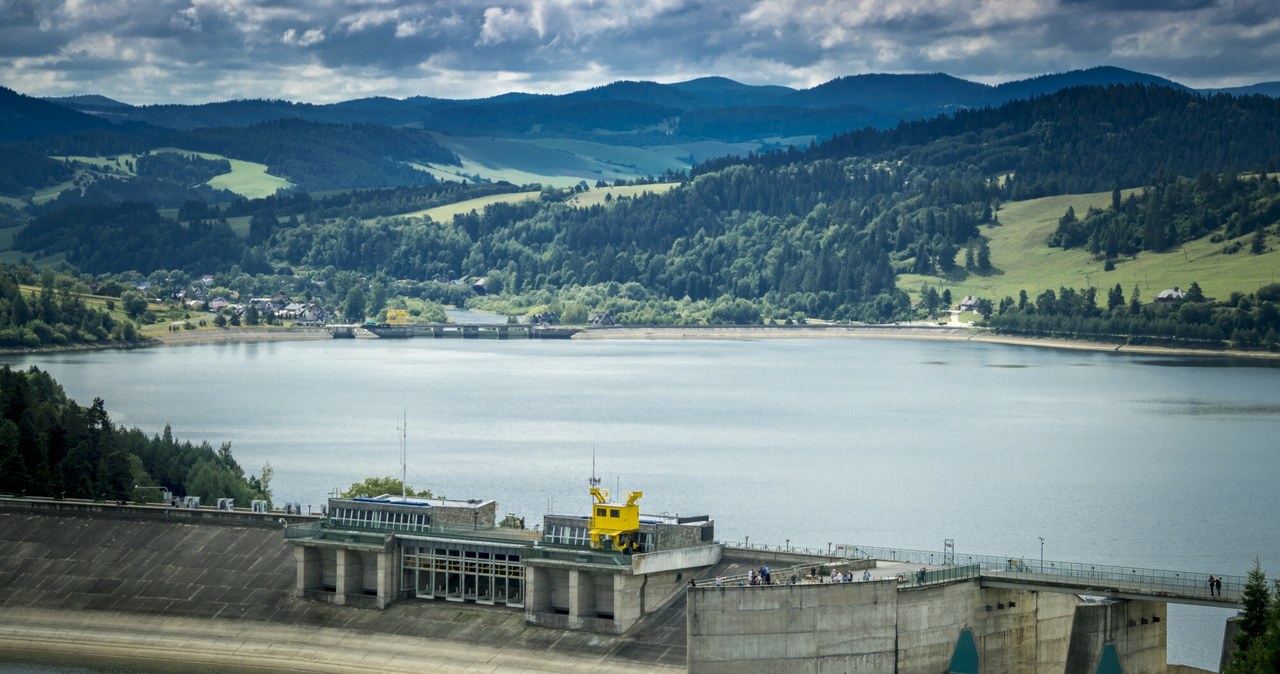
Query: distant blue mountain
{"points": [[642, 113], [23, 117]]}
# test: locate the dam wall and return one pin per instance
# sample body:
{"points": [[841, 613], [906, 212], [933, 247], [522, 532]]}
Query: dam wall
{"points": [[876, 627], [103, 564]]}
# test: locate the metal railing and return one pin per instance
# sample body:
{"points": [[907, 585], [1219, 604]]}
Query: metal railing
{"points": [[955, 566], [1185, 583], [577, 556]]}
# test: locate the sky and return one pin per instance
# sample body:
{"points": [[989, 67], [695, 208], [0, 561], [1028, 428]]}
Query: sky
{"points": [[322, 51]]}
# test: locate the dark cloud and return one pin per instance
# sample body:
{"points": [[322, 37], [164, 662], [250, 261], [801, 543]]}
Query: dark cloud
{"points": [[322, 50]]}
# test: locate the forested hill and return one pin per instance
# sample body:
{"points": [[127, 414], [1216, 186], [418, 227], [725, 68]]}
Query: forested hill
{"points": [[822, 232], [50, 446], [1083, 139], [639, 113]]}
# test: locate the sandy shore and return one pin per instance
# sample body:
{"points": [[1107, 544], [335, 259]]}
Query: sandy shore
{"points": [[265, 334], [908, 331], [229, 645], [925, 332]]}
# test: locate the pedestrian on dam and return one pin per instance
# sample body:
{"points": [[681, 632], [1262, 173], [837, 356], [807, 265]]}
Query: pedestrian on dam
{"points": [[1211, 579], [1217, 586], [866, 575]]}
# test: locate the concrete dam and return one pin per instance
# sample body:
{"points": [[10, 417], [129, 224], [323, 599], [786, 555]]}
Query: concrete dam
{"points": [[387, 585]]}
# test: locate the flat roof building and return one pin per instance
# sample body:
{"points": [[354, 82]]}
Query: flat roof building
{"points": [[369, 552]]}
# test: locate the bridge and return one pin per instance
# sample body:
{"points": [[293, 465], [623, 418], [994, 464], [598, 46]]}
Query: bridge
{"points": [[1093, 580], [501, 331]]}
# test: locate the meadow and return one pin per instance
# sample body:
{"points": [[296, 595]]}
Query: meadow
{"points": [[1023, 261]]}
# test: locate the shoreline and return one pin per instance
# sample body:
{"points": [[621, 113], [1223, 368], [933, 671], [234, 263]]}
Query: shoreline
{"points": [[676, 333]]}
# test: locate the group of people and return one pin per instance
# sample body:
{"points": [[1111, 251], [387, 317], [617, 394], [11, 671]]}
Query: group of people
{"points": [[764, 577], [1215, 586]]}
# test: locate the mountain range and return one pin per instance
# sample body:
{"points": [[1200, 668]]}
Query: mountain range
{"points": [[621, 113]]}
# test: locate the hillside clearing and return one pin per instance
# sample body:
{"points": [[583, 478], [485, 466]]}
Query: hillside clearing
{"points": [[1024, 262], [599, 195]]}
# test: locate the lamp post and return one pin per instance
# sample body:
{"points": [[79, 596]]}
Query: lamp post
{"points": [[1042, 554], [164, 491]]}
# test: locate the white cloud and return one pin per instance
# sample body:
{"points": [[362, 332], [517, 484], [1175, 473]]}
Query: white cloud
{"points": [[307, 38], [223, 48]]}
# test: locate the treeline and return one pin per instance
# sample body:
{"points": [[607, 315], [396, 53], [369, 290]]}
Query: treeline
{"points": [[1083, 139], [23, 169], [313, 155], [823, 238], [50, 446], [180, 168], [54, 316], [1258, 639], [1243, 321], [1173, 211], [118, 237]]}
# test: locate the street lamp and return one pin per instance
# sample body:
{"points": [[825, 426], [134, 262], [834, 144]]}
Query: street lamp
{"points": [[164, 491], [1042, 554]]}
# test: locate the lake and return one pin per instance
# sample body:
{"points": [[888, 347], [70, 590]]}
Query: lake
{"points": [[1153, 461]]}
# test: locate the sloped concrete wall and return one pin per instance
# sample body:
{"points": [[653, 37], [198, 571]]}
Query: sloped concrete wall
{"points": [[1132, 626], [115, 566], [813, 629]]}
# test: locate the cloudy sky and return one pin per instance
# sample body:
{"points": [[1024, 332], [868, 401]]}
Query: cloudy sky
{"points": [[192, 51]]}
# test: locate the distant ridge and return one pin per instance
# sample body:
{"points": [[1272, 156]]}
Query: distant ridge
{"points": [[1271, 89], [645, 113], [23, 117], [1100, 76]]}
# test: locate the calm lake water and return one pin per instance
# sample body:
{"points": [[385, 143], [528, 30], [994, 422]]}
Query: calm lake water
{"points": [[1158, 462]]}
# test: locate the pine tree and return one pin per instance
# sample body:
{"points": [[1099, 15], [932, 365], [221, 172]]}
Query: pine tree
{"points": [[1259, 637], [1255, 601]]}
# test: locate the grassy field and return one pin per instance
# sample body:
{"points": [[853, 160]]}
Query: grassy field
{"points": [[551, 161], [247, 179], [446, 213], [1024, 262], [597, 195]]}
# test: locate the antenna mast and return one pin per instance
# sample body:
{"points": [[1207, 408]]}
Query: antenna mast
{"points": [[594, 481], [404, 469]]}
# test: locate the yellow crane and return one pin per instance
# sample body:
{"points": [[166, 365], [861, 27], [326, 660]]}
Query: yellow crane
{"points": [[615, 526]]}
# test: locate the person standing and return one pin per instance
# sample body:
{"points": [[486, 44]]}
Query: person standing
{"points": [[1211, 579]]}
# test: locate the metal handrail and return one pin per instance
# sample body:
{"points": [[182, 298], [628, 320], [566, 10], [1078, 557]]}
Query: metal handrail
{"points": [[1182, 582]]}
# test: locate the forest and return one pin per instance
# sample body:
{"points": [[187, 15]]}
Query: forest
{"points": [[51, 446], [821, 232]]}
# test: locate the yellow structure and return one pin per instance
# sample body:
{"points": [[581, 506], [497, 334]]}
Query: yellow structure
{"points": [[397, 317], [614, 525]]}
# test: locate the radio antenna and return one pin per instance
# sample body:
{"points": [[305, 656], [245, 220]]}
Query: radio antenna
{"points": [[594, 481], [404, 467]]}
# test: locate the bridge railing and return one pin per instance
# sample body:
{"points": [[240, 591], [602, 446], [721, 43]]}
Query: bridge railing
{"points": [[1182, 582]]}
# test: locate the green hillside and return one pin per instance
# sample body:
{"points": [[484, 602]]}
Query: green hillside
{"points": [[551, 161], [1023, 261]]}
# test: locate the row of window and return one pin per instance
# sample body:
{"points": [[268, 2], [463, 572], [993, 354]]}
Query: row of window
{"points": [[396, 521], [480, 576]]}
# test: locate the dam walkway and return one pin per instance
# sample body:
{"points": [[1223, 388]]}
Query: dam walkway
{"points": [[921, 567]]}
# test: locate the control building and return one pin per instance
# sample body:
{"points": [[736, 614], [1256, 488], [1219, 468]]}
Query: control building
{"points": [[600, 572]]}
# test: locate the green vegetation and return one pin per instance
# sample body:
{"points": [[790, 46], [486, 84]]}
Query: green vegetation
{"points": [[1258, 642], [871, 226], [448, 211], [377, 486], [53, 316], [50, 446]]}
